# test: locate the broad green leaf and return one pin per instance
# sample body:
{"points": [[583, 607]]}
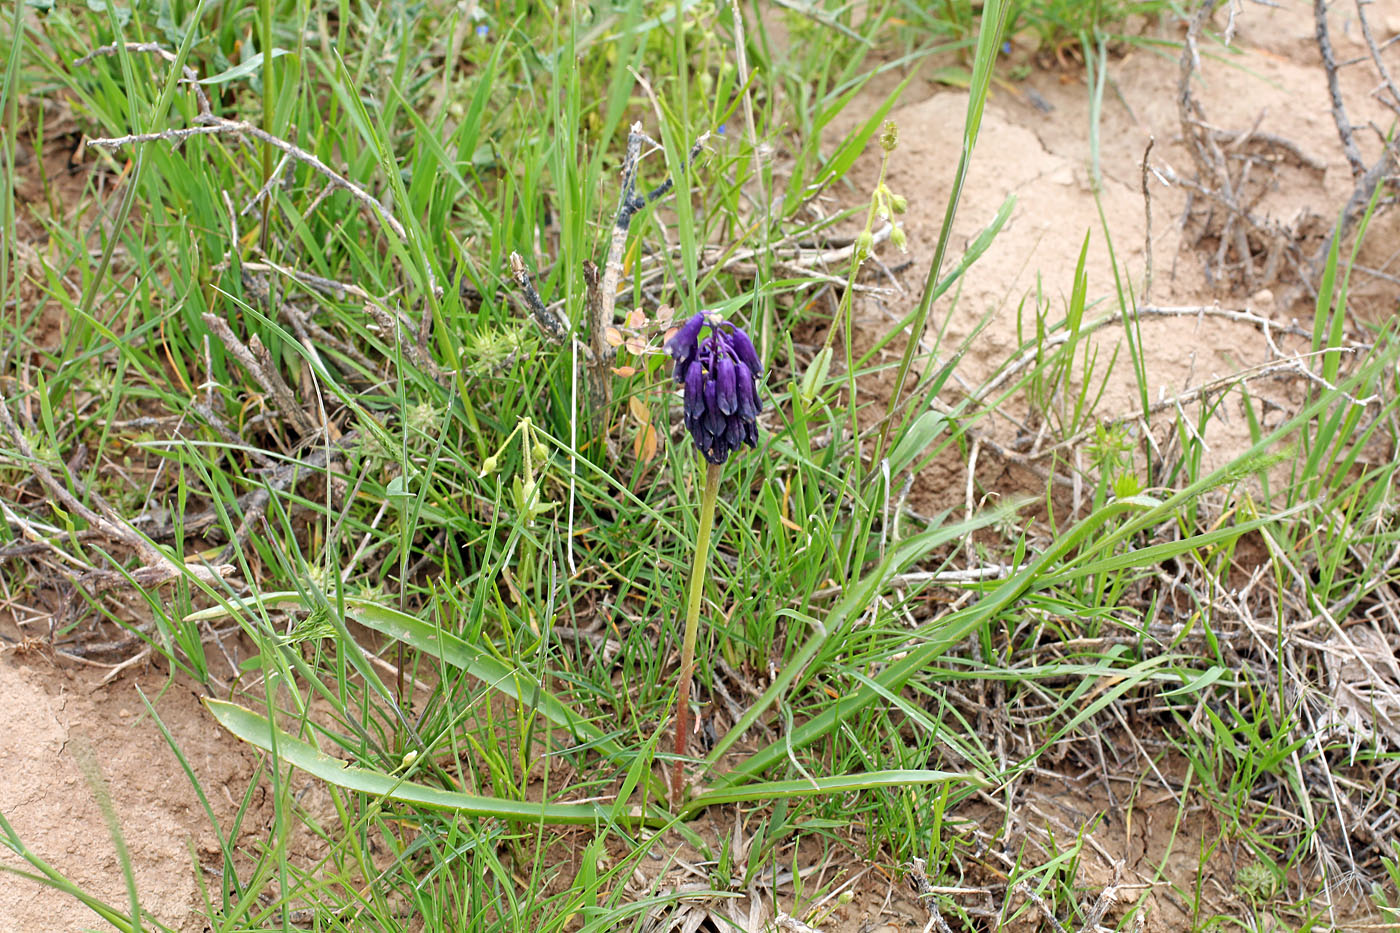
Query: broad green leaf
{"points": [[257, 731], [514, 682]]}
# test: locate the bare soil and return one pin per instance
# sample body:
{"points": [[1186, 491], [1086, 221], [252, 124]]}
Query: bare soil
{"points": [[73, 737], [70, 733], [1035, 146]]}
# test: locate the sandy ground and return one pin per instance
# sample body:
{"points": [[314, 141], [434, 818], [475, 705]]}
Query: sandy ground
{"points": [[64, 726], [81, 738], [1272, 83]]}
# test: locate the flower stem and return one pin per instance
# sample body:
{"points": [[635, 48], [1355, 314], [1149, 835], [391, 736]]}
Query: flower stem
{"points": [[692, 626]]}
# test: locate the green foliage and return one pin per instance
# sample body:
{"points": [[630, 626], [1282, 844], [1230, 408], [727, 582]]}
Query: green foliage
{"points": [[456, 579]]}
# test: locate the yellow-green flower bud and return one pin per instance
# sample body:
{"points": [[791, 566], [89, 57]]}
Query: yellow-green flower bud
{"points": [[899, 203], [488, 466], [539, 451], [865, 242], [890, 137], [899, 239]]}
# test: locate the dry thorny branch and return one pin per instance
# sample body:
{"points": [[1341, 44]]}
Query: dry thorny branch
{"points": [[1235, 169], [157, 566], [602, 289], [1366, 178], [209, 124]]}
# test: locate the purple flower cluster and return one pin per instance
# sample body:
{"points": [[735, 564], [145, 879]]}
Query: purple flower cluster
{"points": [[721, 375]]}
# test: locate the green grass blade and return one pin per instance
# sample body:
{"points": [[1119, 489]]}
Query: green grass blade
{"points": [[993, 24], [856, 599], [833, 784]]}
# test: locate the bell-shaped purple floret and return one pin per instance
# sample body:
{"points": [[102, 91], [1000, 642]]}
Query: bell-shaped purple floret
{"points": [[734, 432], [698, 432], [682, 346], [724, 384], [695, 391], [743, 349], [714, 418], [749, 404], [704, 438]]}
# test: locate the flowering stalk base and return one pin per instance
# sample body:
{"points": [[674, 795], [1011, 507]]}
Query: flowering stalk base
{"points": [[692, 626]]}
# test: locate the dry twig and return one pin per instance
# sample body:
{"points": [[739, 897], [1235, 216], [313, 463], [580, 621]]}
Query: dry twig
{"points": [[258, 362], [211, 125], [553, 327], [157, 566], [1234, 170], [153, 48], [1366, 177]]}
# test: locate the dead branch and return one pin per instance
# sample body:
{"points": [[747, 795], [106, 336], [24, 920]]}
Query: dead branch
{"points": [[392, 325], [554, 328], [158, 567], [1387, 82], [1146, 294], [1366, 177], [280, 479], [211, 125], [629, 204], [258, 362], [1234, 170], [153, 48], [599, 385], [1334, 91]]}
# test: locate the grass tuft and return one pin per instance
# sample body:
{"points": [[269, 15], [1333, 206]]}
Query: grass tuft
{"points": [[333, 386]]}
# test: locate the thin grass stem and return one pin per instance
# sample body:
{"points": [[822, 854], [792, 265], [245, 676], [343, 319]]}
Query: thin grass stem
{"points": [[269, 88]]}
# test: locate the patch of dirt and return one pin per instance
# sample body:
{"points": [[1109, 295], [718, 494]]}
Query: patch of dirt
{"points": [[88, 735], [77, 728], [1035, 146]]}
